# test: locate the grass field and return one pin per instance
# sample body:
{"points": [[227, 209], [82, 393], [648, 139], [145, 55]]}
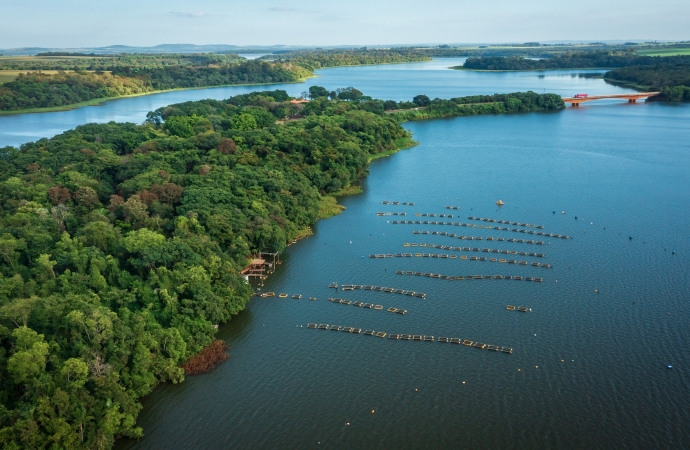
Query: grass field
{"points": [[660, 51]]}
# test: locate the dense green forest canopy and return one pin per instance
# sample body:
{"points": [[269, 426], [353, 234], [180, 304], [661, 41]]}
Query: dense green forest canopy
{"points": [[673, 79], [122, 244], [572, 60]]}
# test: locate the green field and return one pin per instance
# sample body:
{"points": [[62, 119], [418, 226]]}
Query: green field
{"points": [[660, 51]]}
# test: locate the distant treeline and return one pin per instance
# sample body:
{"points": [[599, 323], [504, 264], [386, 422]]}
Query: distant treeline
{"points": [[572, 60], [36, 90], [138, 74], [118, 62], [422, 107], [67, 54], [655, 76], [670, 74], [317, 59]]}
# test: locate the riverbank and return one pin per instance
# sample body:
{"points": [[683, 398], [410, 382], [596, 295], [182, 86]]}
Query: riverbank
{"points": [[103, 100], [329, 206]]}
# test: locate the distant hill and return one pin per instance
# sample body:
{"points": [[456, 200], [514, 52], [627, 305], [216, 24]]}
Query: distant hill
{"points": [[163, 48]]}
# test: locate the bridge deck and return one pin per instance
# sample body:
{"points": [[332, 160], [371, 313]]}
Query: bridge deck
{"points": [[632, 96]]}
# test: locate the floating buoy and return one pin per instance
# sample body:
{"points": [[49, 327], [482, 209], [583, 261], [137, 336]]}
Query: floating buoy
{"points": [[630, 237], [554, 212], [372, 411], [562, 212], [673, 252], [669, 367], [518, 370], [500, 203]]}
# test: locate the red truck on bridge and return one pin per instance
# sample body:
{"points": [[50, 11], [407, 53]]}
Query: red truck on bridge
{"points": [[581, 95]]}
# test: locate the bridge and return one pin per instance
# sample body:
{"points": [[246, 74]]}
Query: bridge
{"points": [[631, 97]]}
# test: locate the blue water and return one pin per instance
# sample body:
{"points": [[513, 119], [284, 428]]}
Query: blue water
{"points": [[395, 82], [589, 366]]}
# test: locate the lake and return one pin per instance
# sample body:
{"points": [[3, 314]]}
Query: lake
{"points": [[394, 82], [589, 362]]}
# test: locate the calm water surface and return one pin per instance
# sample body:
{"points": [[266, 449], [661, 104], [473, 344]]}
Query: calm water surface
{"points": [[395, 81], [589, 369]]}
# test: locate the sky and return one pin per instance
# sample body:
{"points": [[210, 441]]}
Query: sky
{"points": [[80, 23]]}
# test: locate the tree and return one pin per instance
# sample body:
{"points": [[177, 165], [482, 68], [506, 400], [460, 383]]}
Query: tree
{"points": [[135, 211], [58, 195], [29, 358], [18, 310], [86, 196], [421, 100], [243, 122], [317, 92], [179, 126], [349, 93], [227, 146], [10, 247], [75, 372]]}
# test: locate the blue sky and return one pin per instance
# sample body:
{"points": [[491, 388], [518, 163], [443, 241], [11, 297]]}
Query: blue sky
{"points": [[76, 23]]}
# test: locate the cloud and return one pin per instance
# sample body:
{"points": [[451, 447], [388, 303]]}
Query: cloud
{"points": [[187, 14]]}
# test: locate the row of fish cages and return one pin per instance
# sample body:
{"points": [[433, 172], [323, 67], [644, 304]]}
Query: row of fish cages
{"points": [[387, 202], [390, 290], [391, 214], [462, 257], [476, 344], [411, 337], [476, 249], [281, 295], [433, 215], [506, 222], [518, 308], [478, 238], [469, 277], [356, 303], [452, 207], [470, 225]]}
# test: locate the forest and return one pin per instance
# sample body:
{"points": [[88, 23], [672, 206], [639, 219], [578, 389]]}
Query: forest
{"points": [[37, 90], [86, 79], [317, 59], [572, 60], [671, 78], [75, 61], [121, 244]]}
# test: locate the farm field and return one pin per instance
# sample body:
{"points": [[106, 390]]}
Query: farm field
{"points": [[664, 51]]}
